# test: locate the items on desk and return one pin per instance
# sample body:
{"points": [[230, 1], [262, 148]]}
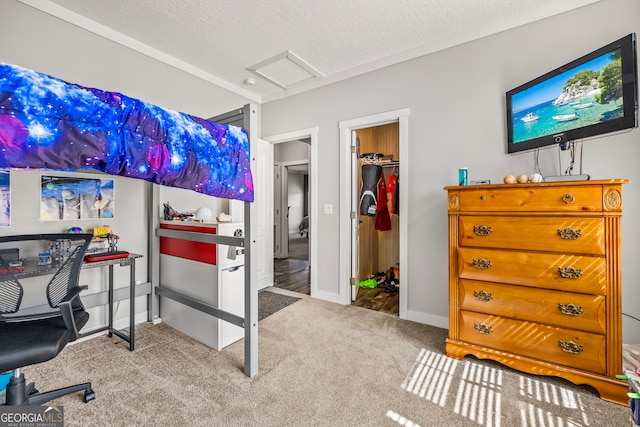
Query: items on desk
{"points": [[44, 258], [11, 270], [104, 233], [104, 256], [60, 250], [101, 235]]}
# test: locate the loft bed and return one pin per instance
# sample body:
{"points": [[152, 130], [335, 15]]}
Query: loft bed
{"points": [[49, 124]]}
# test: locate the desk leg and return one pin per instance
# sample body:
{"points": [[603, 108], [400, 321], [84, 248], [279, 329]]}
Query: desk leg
{"points": [[132, 302], [110, 300]]}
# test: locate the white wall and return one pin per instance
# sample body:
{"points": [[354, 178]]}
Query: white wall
{"points": [[38, 41], [457, 118], [291, 152], [25, 219]]}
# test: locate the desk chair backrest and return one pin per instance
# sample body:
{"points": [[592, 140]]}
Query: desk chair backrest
{"points": [[65, 278], [11, 291]]}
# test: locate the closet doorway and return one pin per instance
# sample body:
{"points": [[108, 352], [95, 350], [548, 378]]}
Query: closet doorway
{"points": [[349, 264], [378, 231]]}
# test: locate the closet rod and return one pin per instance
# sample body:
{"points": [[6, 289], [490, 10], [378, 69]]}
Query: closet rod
{"points": [[389, 163]]}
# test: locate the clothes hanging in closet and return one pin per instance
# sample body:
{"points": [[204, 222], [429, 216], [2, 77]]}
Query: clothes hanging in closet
{"points": [[383, 220], [368, 196], [391, 189], [396, 197]]}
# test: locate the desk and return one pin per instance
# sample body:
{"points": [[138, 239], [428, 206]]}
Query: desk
{"points": [[123, 262], [30, 268]]}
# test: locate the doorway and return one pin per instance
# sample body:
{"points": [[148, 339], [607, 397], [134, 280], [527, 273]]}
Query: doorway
{"points": [[349, 211], [291, 190], [295, 254]]}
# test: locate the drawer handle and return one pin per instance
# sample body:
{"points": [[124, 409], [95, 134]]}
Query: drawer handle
{"points": [[482, 230], [482, 328], [570, 272], [481, 264], [569, 233], [482, 296], [568, 198], [570, 309], [570, 347]]}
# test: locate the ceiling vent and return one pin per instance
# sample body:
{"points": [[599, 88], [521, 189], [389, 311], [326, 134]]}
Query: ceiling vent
{"points": [[285, 70]]}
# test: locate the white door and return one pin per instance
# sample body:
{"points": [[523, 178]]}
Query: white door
{"points": [[355, 218], [263, 235]]}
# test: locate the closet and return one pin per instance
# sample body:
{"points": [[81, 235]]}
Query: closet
{"points": [[379, 251]]}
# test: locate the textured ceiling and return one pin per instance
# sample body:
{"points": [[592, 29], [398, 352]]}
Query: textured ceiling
{"points": [[218, 40]]}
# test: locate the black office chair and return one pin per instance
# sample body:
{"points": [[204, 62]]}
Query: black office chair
{"points": [[30, 335]]}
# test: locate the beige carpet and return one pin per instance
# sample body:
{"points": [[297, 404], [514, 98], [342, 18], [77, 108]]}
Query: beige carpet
{"points": [[320, 364]]}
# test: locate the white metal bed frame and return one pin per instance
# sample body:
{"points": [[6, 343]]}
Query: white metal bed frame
{"points": [[244, 117]]}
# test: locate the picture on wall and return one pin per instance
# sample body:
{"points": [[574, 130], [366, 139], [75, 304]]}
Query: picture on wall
{"points": [[71, 198], [5, 198]]}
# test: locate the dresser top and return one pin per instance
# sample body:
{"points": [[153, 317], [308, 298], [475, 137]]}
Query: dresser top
{"points": [[541, 184]]}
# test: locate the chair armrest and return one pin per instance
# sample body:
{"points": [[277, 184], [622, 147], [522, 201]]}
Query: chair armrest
{"points": [[66, 310]]}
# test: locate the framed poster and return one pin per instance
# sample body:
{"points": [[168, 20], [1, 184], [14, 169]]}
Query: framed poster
{"points": [[71, 198], [5, 198]]}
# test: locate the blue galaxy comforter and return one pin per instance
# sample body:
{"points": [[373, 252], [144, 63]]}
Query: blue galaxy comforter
{"points": [[47, 123]]}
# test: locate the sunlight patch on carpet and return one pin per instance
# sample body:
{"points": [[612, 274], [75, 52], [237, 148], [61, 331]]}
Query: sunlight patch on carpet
{"points": [[403, 421], [475, 391]]}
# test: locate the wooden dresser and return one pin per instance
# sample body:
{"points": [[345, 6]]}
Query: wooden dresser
{"points": [[535, 279]]}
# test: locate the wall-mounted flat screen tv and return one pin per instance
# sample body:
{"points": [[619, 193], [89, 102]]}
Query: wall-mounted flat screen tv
{"points": [[591, 96]]}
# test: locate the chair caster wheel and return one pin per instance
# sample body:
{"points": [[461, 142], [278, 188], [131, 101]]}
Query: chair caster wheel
{"points": [[89, 395]]}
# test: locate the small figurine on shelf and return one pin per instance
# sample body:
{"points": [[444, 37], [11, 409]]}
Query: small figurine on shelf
{"points": [[171, 214], [113, 242], [102, 232], [223, 217]]}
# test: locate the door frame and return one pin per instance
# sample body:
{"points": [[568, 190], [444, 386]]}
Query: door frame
{"points": [[312, 134], [401, 117]]}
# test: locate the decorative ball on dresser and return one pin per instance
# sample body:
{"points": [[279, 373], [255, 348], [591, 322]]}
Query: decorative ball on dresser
{"points": [[509, 179]]}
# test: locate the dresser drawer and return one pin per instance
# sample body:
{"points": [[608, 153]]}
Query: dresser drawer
{"points": [[557, 234], [533, 199], [568, 310], [585, 274], [581, 350]]}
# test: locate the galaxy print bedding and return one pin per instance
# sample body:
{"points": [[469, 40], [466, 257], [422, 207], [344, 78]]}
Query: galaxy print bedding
{"points": [[47, 123]]}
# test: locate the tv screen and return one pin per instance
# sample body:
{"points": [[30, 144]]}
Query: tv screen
{"points": [[593, 95]]}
